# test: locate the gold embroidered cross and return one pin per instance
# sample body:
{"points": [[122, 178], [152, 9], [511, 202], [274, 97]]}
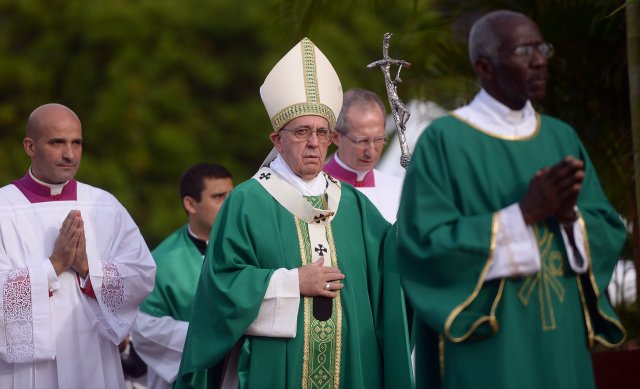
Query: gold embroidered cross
{"points": [[323, 330], [546, 281]]}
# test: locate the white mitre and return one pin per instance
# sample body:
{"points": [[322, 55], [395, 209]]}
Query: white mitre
{"points": [[302, 83]]}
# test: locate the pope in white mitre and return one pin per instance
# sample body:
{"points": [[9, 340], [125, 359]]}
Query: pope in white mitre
{"points": [[298, 288]]}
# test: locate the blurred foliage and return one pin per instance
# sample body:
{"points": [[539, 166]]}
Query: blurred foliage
{"points": [[162, 84], [158, 85], [588, 84]]}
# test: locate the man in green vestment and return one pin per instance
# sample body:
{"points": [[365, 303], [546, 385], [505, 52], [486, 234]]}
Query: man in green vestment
{"points": [[161, 327], [506, 240], [291, 292]]}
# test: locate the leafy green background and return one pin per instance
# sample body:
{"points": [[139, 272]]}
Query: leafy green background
{"points": [[162, 84]]}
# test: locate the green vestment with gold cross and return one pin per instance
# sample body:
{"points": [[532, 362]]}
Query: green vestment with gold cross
{"points": [[522, 332], [364, 344]]}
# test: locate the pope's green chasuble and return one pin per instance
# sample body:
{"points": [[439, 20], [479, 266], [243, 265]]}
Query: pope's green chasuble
{"points": [[256, 233], [522, 332], [179, 263]]}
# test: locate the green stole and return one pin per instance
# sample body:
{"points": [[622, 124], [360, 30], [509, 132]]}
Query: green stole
{"points": [[313, 214]]}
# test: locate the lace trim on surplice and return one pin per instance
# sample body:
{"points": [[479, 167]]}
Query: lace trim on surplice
{"points": [[112, 295], [18, 316], [112, 288]]}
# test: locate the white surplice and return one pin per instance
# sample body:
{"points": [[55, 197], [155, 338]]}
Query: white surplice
{"points": [[385, 195], [67, 340], [384, 190]]}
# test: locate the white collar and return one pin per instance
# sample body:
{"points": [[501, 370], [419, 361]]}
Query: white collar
{"points": [[313, 187], [490, 115], [506, 113], [361, 175], [56, 189], [194, 235]]}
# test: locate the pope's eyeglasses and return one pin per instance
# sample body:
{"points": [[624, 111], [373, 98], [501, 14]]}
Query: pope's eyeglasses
{"points": [[304, 133]]}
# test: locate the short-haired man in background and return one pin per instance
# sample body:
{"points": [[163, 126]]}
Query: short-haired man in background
{"points": [[360, 139], [161, 328]]}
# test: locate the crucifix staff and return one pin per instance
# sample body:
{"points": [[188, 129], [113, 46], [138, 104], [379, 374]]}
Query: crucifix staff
{"points": [[400, 112]]}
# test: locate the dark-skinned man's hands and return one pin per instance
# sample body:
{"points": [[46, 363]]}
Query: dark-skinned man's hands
{"points": [[553, 192]]}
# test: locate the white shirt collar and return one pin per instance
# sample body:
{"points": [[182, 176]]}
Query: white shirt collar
{"points": [[194, 235], [490, 115], [313, 187], [361, 175], [56, 189]]}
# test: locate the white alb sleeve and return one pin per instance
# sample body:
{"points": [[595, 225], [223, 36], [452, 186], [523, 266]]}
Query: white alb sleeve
{"points": [[159, 341], [516, 252], [278, 316]]}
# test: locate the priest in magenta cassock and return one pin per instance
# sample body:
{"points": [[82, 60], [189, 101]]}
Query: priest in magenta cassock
{"points": [[161, 327], [73, 267], [506, 239], [298, 289], [360, 139]]}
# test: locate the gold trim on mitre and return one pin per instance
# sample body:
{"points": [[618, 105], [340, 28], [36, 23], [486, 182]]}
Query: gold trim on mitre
{"points": [[302, 83]]}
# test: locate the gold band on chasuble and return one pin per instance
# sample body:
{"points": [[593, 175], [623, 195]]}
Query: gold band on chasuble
{"points": [[491, 318], [322, 339], [312, 216], [592, 336]]}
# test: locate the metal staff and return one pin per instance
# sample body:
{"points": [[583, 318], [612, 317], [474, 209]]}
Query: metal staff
{"points": [[400, 113]]}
